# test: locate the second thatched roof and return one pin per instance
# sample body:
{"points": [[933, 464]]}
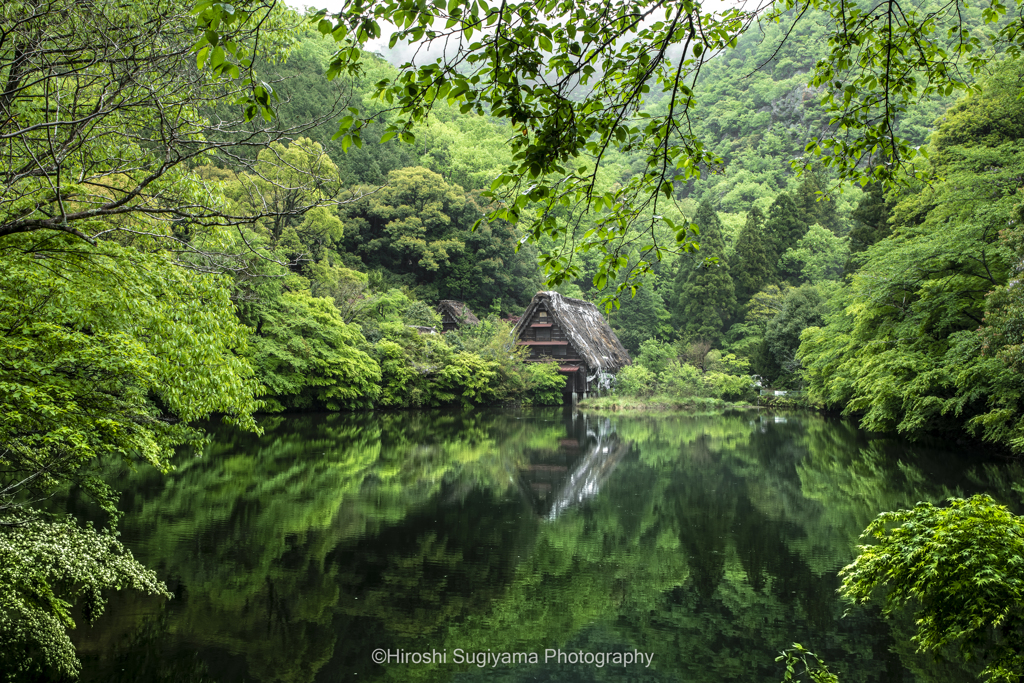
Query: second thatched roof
{"points": [[458, 310]]}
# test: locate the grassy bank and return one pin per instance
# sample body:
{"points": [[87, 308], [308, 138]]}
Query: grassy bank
{"points": [[662, 403]]}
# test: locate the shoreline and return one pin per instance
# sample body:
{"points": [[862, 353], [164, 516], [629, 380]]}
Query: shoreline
{"points": [[663, 404]]}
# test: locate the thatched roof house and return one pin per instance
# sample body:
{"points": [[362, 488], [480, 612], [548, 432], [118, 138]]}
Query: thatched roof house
{"points": [[576, 335], [454, 314]]}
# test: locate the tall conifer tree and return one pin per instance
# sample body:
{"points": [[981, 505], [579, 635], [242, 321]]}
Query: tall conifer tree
{"points": [[784, 227], [641, 317], [705, 297], [754, 266], [813, 207]]}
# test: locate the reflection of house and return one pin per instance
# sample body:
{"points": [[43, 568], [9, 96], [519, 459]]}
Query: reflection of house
{"points": [[573, 470], [454, 314], [575, 334]]}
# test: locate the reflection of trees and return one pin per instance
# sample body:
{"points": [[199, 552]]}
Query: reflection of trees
{"points": [[247, 529], [712, 541]]}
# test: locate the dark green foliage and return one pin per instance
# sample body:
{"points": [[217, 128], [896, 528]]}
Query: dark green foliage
{"points": [[814, 203], [306, 98], [785, 226], [419, 229], [777, 361], [754, 266], [704, 297], [641, 317], [871, 221], [489, 269]]}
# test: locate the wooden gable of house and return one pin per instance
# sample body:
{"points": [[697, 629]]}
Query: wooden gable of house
{"points": [[448, 321], [548, 341]]}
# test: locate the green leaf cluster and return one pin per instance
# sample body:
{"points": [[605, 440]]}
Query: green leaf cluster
{"points": [[959, 569]]}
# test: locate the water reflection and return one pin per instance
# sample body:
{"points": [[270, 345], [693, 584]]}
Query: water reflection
{"points": [[572, 470], [711, 542]]}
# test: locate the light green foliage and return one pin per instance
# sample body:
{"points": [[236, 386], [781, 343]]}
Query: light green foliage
{"points": [[308, 358], [746, 338], [655, 355], [593, 73], [477, 364], [406, 360], [544, 384], [635, 380], [728, 363], [658, 372], [959, 569], [516, 379], [284, 194], [465, 377], [116, 157], [729, 387], [911, 61], [97, 344], [393, 305], [397, 375], [346, 287], [800, 662], [681, 380], [819, 255], [902, 346], [465, 149]]}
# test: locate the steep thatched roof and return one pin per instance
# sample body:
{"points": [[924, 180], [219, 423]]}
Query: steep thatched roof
{"points": [[584, 326], [457, 310]]}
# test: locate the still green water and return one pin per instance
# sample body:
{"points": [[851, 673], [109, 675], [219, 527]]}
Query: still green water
{"points": [[703, 545]]}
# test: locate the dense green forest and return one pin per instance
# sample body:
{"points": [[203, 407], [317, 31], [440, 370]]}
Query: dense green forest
{"points": [[197, 223]]}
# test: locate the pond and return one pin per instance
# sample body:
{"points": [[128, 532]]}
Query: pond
{"points": [[529, 545]]}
